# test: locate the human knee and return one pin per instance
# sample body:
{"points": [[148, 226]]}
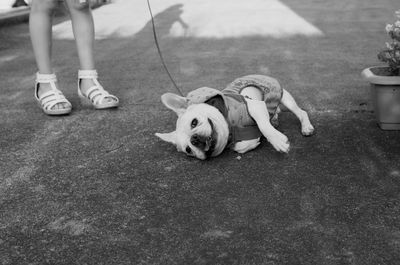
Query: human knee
{"points": [[43, 5], [80, 5]]}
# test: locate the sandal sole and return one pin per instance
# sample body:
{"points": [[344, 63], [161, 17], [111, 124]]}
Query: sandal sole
{"points": [[87, 103]]}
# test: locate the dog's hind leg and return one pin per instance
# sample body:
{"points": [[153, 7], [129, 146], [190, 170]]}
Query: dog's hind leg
{"points": [[289, 102], [246, 145]]}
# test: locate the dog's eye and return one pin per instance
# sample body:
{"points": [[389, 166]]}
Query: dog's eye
{"points": [[188, 150], [194, 123]]}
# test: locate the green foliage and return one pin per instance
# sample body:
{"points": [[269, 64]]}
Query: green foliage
{"points": [[391, 54]]}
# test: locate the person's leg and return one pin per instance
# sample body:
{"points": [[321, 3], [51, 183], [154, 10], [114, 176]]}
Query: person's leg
{"points": [[40, 24], [83, 28], [289, 102]]}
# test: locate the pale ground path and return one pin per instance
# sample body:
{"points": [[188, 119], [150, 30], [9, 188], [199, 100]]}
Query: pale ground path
{"points": [[200, 18], [6, 4]]}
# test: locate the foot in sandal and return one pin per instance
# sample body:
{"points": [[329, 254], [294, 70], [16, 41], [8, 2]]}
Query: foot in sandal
{"points": [[91, 92], [50, 98]]}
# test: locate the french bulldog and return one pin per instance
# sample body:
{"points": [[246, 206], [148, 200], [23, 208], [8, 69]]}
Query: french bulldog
{"points": [[210, 120]]}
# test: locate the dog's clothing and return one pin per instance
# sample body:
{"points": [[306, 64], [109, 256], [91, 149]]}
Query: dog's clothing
{"points": [[234, 106], [269, 86]]}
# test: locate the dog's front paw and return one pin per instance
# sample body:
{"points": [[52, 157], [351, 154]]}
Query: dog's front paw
{"points": [[307, 129], [279, 141]]}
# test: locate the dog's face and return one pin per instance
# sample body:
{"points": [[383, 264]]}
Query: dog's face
{"points": [[201, 130]]}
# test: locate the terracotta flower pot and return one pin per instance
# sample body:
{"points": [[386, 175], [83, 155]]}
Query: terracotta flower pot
{"points": [[385, 91]]}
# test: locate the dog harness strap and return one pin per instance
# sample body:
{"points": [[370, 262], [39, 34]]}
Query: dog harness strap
{"points": [[241, 125], [238, 134], [238, 113]]}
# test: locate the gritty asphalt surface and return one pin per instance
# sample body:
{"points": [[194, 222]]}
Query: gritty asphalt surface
{"points": [[97, 187]]}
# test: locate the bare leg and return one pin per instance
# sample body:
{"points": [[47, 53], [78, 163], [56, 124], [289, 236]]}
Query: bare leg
{"points": [[83, 28], [40, 23], [289, 102]]}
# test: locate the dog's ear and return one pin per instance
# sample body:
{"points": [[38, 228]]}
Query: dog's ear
{"points": [[175, 102], [168, 137]]}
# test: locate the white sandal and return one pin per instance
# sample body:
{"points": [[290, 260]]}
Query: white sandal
{"points": [[96, 94], [51, 98]]}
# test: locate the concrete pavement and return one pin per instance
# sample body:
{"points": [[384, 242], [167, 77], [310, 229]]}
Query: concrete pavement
{"points": [[97, 187]]}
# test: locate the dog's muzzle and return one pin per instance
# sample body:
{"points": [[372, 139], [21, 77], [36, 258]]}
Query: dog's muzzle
{"points": [[202, 142], [205, 143]]}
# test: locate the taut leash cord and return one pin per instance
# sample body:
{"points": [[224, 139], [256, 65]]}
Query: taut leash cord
{"points": [[159, 50]]}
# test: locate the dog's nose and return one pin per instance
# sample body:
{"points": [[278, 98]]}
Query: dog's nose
{"points": [[195, 140], [198, 141], [202, 142]]}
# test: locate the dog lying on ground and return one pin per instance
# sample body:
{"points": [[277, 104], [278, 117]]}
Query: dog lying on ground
{"points": [[210, 120]]}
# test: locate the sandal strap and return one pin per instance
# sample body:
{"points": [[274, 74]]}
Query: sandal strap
{"points": [[49, 99], [88, 74], [45, 78], [52, 97], [96, 94]]}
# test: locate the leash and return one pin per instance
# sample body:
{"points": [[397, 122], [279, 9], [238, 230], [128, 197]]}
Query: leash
{"points": [[159, 50]]}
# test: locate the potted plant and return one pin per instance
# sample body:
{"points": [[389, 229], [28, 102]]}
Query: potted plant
{"points": [[385, 80]]}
